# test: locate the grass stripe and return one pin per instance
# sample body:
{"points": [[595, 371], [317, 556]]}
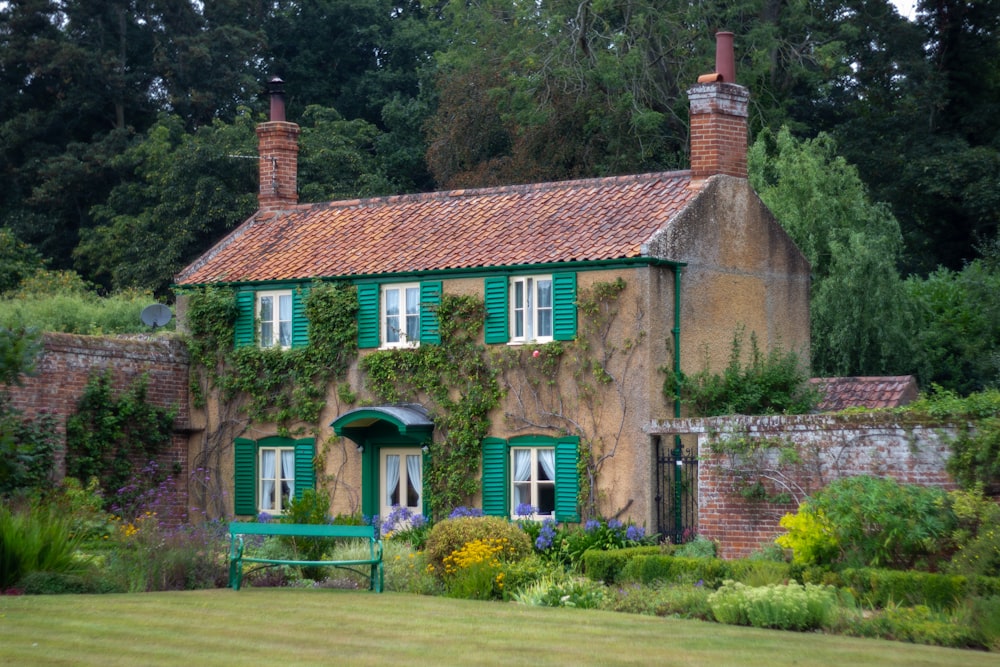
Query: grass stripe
{"points": [[322, 627]]}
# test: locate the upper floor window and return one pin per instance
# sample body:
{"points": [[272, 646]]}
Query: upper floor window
{"points": [[531, 309], [400, 315], [274, 319]]}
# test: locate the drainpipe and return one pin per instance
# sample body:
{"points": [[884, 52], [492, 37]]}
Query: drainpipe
{"points": [[678, 447]]}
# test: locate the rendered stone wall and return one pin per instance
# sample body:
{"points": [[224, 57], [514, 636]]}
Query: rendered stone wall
{"points": [[829, 447], [67, 363]]}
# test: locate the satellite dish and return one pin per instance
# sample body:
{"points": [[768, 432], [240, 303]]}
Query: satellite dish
{"points": [[156, 315]]}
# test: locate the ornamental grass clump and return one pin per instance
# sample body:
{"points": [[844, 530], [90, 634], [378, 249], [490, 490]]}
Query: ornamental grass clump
{"points": [[782, 607]]}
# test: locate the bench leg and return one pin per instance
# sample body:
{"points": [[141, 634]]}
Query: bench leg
{"points": [[235, 574]]}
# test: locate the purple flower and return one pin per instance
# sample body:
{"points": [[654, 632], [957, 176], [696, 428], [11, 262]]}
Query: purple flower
{"points": [[635, 533], [462, 511], [525, 509], [614, 524], [264, 517], [546, 536], [591, 525]]}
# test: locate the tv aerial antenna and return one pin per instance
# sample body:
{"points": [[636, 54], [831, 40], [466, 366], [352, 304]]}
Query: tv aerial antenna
{"points": [[156, 315]]}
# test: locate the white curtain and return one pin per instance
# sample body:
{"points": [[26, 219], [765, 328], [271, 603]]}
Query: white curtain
{"points": [[391, 477], [267, 480], [547, 458], [414, 473], [288, 471], [522, 473]]}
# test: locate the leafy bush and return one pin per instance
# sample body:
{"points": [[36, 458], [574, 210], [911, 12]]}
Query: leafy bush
{"points": [[677, 569], [451, 535], [62, 302], [150, 556], [680, 601], [760, 572], [37, 541], [809, 536], [919, 625], [61, 583], [521, 574], [883, 588], [699, 547], [557, 590], [977, 536], [474, 571], [405, 569], [874, 522], [775, 383], [783, 607], [607, 566]]}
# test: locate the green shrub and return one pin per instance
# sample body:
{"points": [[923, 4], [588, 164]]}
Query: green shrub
{"points": [[36, 541], [760, 572], [809, 536], [560, 589], [679, 601], [774, 383], [883, 588], [919, 625], [451, 535], [977, 537], [521, 574], [60, 583], [699, 547], [311, 508], [711, 572], [876, 522], [607, 566], [783, 607]]}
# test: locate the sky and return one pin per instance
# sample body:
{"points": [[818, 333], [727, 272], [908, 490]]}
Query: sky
{"points": [[905, 7]]}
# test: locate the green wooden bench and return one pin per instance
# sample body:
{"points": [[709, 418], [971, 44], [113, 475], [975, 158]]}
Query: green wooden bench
{"points": [[370, 567]]}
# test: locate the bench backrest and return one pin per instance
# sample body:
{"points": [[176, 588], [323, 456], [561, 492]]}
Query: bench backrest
{"points": [[302, 530]]}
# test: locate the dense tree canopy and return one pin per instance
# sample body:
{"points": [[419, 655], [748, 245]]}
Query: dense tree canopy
{"points": [[120, 120]]}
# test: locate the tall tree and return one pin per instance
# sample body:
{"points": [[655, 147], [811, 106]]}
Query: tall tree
{"points": [[860, 314]]}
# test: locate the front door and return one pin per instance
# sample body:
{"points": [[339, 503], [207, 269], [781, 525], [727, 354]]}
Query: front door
{"points": [[401, 475]]}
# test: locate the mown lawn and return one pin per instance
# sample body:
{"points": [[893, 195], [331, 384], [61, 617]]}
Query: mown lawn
{"points": [[336, 627]]}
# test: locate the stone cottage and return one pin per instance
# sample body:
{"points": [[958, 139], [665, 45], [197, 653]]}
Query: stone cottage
{"points": [[593, 293]]}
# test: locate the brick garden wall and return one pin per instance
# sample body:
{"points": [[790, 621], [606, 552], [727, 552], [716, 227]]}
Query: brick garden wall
{"points": [[828, 446], [66, 364]]}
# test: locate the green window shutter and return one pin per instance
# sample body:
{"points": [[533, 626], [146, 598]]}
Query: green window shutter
{"points": [[495, 295], [430, 299], [245, 476], [369, 482], [245, 304], [495, 477], [564, 306], [368, 315], [305, 472], [567, 479], [300, 325]]}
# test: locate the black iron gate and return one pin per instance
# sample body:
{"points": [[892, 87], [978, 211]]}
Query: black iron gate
{"points": [[676, 491]]}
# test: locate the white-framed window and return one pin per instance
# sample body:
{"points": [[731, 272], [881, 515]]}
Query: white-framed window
{"points": [[531, 309], [533, 482], [276, 466], [401, 480], [400, 315], [274, 318]]}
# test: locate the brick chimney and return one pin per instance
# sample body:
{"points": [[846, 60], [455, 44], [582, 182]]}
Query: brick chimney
{"points": [[719, 117], [278, 146]]}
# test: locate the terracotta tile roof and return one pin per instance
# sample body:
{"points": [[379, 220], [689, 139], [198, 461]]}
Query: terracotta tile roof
{"points": [[865, 392], [593, 219]]}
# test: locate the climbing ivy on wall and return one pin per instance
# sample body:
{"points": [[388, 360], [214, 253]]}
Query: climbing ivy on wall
{"points": [[460, 386], [111, 434], [285, 387]]}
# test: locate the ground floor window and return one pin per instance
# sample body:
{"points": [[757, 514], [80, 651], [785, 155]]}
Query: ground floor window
{"points": [[270, 472], [531, 476], [277, 478], [533, 482]]}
